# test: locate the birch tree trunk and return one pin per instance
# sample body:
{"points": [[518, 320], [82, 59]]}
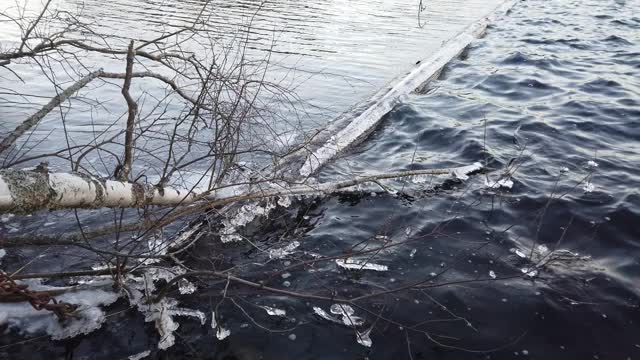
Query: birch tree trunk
{"points": [[28, 191]]}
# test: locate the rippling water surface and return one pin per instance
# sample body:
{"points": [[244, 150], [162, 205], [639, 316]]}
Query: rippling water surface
{"points": [[552, 93]]}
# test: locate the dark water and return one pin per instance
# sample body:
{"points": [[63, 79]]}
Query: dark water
{"points": [[552, 86]]}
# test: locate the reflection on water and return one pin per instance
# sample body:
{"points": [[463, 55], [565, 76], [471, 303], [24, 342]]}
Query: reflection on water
{"points": [[333, 54]]}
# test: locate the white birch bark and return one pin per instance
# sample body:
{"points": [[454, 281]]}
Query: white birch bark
{"points": [[28, 191]]}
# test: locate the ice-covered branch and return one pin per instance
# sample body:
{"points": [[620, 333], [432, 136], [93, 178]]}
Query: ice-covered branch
{"points": [[26, 190]]}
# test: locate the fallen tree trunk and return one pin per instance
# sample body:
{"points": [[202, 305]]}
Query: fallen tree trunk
{"points": [[28, 191], [364, 123]]}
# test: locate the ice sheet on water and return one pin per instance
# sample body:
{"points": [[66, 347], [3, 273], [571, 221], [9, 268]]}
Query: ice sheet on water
{"points": [[353, 264]]}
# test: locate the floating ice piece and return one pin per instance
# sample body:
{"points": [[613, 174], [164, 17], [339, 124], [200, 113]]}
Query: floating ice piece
{"points": [[492, 274], [222, 333], [214, 324], [341, 309], [543, 249], [462, 173], [588, 187], [141, 355], [347, 314], [284, 201], [245, 215], [529, 272], [186, 287], [564, 170], [323, 314], [279, 253], [518, 252], [363, 338], [162, 313], [274, 311], [352, 264], [3, 252], [504, 182], [413, 253], [592, 164]]}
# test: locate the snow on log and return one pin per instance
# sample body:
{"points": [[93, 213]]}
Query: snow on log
{"points": [[25, 190], [362, 125]]}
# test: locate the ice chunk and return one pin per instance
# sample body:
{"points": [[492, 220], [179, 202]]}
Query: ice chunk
{"points": [[347, 314], [284, 201], [518, 252], [186, 287], [492, 274], [222, 333], [352, 264], [543, 249], [504, 182], [244, 215], [323, 314], [141, 355], [592, 164], [529, 272], [341, 309], [363, 338], [284, 251], [462, 173], [274, 311]]}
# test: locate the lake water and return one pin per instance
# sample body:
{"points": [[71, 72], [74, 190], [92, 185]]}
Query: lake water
{"points": [[551, 93]]}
